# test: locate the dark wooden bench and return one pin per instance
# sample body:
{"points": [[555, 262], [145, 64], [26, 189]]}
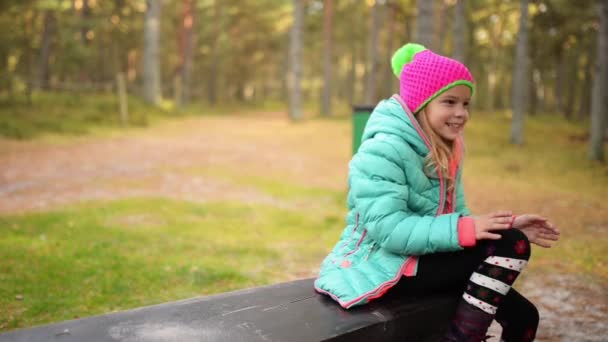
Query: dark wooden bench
{"points": [[283, 312]]}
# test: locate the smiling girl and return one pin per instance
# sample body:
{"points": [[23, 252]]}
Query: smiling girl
{"points": [[409, 230]]}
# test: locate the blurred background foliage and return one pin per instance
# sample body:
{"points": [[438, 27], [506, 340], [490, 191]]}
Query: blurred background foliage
{"points": [[177, 52]]}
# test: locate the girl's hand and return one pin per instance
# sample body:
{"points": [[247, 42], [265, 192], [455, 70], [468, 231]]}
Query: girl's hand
{"points": [[538, 230], [485, 224]]}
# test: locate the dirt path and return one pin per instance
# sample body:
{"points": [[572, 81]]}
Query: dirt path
{"points": [[174, 161], [185, 159]]}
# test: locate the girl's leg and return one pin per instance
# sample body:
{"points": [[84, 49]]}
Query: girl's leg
{"points": [[446, 272], [518, 318], [489, 284], [505, 259], [484, 273]]}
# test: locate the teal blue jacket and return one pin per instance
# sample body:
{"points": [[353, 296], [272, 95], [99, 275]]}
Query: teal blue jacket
{"points": [[395, 210]]}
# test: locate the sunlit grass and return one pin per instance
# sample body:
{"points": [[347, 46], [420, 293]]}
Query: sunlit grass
{"points": [[554, 154], [97, 258]]}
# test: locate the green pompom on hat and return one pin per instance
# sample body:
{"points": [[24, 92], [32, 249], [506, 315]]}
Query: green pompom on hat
{"points": [[404, 56]]}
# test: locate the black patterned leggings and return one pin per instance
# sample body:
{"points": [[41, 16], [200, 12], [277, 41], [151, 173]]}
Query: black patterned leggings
{"points": [[482, 275]]}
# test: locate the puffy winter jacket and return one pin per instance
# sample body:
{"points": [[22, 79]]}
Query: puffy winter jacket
{"points": [[395, 210]]}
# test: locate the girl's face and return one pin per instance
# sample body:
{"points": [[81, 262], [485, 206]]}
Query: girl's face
{"points": [[449, 112]]}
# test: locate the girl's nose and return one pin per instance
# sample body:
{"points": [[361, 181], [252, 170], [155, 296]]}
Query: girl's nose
{"points": [[462, 111]]}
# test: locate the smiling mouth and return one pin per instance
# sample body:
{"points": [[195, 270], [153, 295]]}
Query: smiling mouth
{"points": [[454, 125]]}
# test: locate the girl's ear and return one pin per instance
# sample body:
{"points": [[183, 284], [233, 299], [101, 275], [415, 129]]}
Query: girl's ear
{"points": [[423, 111]]}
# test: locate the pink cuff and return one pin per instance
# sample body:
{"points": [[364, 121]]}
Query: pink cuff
{"points": [[512, 220], [466, 231]]}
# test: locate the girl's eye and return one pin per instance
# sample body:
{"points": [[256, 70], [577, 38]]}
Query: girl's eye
{"points": [[449, 102], [466, 104]]}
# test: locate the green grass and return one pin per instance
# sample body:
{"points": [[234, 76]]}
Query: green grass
{"points": [[554, 154], [97, 258], [65, 113]]}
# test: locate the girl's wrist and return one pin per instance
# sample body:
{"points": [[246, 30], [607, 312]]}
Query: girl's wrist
{"points": [[467, 234], [513, 217]]}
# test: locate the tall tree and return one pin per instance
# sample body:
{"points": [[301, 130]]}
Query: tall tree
{"points": [[599, 110], [459, 31], [85, 15], [560, 81], [587, 90], [352, 71], [520, 82], [424, 33], [372, 55], [186, 47], [213, 74], [151, 72], [388, 79], [48, 32], [327, 57], [443, 21], [295, 63]]}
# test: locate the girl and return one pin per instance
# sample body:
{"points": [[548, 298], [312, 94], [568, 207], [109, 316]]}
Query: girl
{"points": [[408, 222]]}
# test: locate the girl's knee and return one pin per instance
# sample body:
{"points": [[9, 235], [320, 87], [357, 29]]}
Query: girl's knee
{"points": [[517, 241], [514, 234]]}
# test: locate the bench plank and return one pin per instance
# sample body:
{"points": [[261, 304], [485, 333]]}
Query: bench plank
{"points": [[290, 311]]}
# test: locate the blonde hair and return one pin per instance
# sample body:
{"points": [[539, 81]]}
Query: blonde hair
{"points": [[441, 151]]}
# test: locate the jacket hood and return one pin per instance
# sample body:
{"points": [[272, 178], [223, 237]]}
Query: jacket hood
{"points": [[389, 117]]}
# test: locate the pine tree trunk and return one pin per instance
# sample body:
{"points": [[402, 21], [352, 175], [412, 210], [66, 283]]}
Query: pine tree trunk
{"points": [[388, 76], [442, 22], [573, 85], [119, 52], [29, 30], [85, 14], [186, 37], [372, 56], [585, 102], [295, 66], [492, 77], [48, 32], [151, 58], [520, 82], [284, 74], [214, 66], [533, 96], [599, 110], [424, 32], [560, 81], [459, 29], [493, 95], [352, 73], [327, 58]]}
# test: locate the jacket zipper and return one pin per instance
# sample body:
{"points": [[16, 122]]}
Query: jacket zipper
{"points": [[371, 249]]}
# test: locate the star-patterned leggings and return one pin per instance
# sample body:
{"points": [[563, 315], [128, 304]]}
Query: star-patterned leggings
{"points": [[485, 273]]}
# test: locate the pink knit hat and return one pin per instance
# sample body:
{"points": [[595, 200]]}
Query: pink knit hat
{"points": [[424, 75]]}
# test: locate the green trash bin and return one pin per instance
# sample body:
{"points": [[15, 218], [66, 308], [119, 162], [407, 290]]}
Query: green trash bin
{"points": [[360, 116]]}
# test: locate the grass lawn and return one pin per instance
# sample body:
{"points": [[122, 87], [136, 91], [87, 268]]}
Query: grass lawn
{"points": [[95, 257], [99, 257]]}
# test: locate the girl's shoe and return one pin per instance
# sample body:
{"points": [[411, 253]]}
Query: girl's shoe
{"points": [[469, 324]]}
